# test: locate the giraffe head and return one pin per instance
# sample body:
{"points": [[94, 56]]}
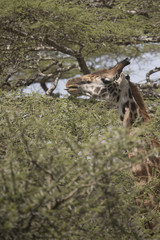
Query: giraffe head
{"points": [[96, 84], [113, 85]]}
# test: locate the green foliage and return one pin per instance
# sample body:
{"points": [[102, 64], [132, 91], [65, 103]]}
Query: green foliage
{"points": [[64, 171], [74, 23], [31, 31]]}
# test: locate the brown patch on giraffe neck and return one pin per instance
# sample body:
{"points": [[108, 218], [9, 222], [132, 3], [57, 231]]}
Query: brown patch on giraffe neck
{"points": [[139, 101]]}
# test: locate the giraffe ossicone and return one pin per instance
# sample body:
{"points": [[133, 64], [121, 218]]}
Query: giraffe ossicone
{"points": [[112, 84]]}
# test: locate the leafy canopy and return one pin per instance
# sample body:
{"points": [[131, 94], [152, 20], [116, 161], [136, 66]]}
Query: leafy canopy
{"points": [[42, 37]]}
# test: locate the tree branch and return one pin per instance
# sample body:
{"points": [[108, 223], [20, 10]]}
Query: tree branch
{"points": [[151, 72], [73, 53], [60, 71], [59, 47], [54, 85], [71, 194]]}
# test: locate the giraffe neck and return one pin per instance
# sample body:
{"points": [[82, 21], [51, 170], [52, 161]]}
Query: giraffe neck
{"points": [[120, 93], [131, 104], [127, 107]]}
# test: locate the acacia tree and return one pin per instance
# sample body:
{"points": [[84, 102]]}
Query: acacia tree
{"points": [[41, 41]]}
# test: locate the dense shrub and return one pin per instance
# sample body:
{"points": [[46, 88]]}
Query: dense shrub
{"points": [[65, 172]]}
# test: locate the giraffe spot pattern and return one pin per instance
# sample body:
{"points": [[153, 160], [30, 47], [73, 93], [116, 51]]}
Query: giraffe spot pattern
{"points": [[114, 94], [111, 90], [118, 98], [104, 95], [129, 92], [133, 106], [124, 106], [104, 90], [97, 90], [110, 87]]}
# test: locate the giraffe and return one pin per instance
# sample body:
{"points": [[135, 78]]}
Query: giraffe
{"points": [[113, 85]]}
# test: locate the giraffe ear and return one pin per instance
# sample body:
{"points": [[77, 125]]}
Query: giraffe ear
{"points": [[122, 80]]}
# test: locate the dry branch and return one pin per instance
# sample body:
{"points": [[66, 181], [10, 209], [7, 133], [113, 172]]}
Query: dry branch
{"points": [[151, 72], [54, 85]]}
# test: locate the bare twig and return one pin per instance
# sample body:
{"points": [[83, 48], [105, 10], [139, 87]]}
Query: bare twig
{"points": [[54, 85], [71, 194], [59, 70], [151, 72], [148, 85]]}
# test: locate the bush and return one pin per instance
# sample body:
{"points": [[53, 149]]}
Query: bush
{"points": [[64, 170]]}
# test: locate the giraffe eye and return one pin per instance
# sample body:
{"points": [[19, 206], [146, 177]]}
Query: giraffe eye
{"points": [[105, 80]]}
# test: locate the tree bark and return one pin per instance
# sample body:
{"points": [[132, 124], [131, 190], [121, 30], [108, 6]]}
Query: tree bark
{"points": [[82, 64]]}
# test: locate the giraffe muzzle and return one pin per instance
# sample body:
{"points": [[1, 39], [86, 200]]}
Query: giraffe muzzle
{"points": [[73, 90]]}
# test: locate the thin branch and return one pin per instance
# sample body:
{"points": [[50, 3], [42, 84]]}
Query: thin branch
{"points": [[151, 72], [71, 194], [148, 85], [59, 70], [59, 47], [54, 85]]}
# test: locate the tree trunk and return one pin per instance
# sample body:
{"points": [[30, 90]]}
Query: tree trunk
{"points": [[82, 64]]}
